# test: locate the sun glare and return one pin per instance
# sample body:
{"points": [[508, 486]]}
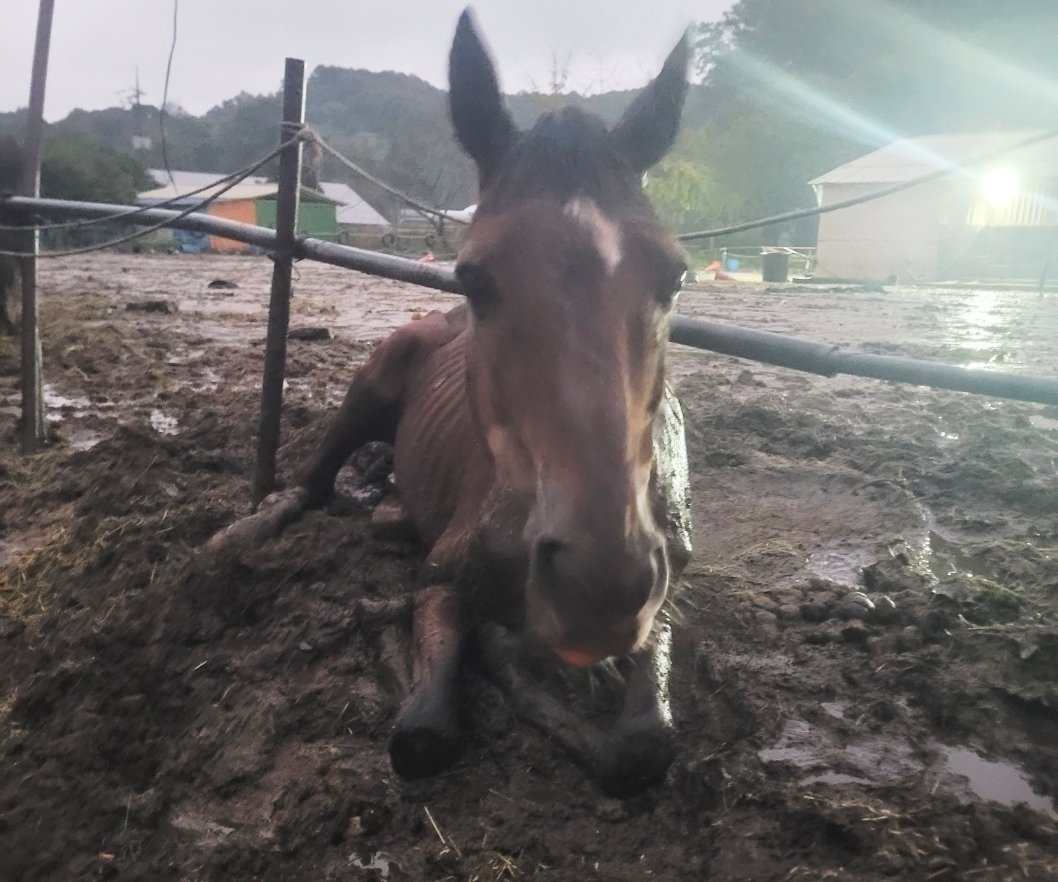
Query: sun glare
{"points": [[999, 186]]}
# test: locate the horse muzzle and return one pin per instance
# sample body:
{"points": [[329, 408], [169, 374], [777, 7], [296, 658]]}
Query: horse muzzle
{"points": [[585, 608]]}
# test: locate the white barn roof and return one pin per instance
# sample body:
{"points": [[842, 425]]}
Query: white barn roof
{"points": [[352, 209], [910, 157], [192, 179], [187, 191]]}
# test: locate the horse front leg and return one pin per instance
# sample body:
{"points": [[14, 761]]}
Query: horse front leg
{"points": [[426, 738], [637, 752], [625, 760], [370, 411]]}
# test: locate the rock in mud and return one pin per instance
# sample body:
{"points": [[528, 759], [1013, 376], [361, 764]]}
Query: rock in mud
{"points": [[309, 335], [814, 611], [161, 307], [909, 639]]}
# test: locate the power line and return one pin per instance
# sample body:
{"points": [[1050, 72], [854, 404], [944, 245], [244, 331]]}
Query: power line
{"points": [[165, 96]]}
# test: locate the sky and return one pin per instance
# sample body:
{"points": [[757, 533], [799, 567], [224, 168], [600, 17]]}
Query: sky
{"points": [[225, 47]]}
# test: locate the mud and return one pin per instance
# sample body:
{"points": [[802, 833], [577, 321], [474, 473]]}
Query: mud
{"points": [[865, 650]]}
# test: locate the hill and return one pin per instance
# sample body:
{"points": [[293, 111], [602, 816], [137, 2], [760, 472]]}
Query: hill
{"points": [[394, 125]]}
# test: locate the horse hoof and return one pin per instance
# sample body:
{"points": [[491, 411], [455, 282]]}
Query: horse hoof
{"points": [[419, 751], [634, 758]]}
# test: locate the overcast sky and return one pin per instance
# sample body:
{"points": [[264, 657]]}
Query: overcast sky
{"points": [[229, 46]]}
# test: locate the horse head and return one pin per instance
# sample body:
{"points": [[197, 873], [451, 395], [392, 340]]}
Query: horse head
{"points": [[571, 280]]}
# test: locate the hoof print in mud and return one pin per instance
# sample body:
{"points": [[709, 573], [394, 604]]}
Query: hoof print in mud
{"points": [[420, 752]]}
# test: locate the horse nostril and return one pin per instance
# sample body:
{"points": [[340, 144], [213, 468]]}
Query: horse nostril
{"points": [[637, 586], [546, 552]]}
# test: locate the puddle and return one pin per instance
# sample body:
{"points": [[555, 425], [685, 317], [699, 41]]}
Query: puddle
{"points": [[84, 440], [993, 780], [948, 559], [1048, 424], [54, 401], [874, 760], [871, 761], [836, 779], [836, 709], [163, 424], [185, 356], [841, 564], [378, 861], [209, 833]]}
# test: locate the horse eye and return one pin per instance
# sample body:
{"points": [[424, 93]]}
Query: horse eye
{"points": [[478, 287], [672, 290]]}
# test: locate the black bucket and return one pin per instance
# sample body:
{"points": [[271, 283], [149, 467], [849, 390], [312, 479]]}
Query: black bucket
{"points": [[775, 266]]}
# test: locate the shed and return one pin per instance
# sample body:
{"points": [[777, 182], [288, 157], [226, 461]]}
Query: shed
{"points": [[248, 204], [993, 220]]}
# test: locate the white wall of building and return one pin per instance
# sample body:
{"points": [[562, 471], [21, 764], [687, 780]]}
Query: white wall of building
{"points": [[898, 235]]}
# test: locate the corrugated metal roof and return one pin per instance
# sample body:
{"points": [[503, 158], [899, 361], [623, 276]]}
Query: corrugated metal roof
{"points": [[238, 193], [352, 209], [194, 179], [910, 157]]}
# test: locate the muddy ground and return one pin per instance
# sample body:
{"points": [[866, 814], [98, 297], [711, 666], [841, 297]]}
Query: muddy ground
{"points": [[866, 654]]}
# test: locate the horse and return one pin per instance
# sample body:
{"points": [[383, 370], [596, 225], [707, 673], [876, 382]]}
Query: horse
{"points": [[538, 452]]}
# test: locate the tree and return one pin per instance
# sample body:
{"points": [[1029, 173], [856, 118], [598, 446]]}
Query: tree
{"points": [[686, 196], [82, 170]]}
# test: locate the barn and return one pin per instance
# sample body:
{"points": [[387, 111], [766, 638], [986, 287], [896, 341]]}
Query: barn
{"points": [[989, 221], [248, 203]]}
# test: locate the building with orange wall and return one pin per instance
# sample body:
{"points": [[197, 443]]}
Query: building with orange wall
{"points": [[247, 203]]}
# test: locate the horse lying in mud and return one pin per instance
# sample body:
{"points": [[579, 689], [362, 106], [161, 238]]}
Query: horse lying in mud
{"points": [[537, 449]]}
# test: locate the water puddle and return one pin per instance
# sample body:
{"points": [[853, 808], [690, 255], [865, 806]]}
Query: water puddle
{"points": [[83, 440], [874, 760], [841, 564], [835, 709], [1048, 424], [164, 424], [209, 833], [54, 401], [993, 780], [836, 779], [947, 559], [379, 861]]}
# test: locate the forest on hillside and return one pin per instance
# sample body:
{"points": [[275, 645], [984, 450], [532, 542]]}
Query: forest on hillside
{"points": [[785, 90]]}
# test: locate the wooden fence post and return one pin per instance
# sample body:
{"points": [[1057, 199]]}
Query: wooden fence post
{"points": [[279, 304], [29, 185]]}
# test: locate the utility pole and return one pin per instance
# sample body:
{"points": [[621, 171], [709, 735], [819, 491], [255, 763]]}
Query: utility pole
{"points": [[29, 185]]}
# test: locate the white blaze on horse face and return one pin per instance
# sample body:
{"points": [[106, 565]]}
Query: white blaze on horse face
{"points": [[605, 233]]}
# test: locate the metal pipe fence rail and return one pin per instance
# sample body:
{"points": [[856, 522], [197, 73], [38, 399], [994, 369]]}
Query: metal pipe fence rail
{"points": [[763, 346]]}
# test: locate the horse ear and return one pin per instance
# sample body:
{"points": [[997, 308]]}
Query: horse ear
{"points": [[482, 123], [649, 126]]}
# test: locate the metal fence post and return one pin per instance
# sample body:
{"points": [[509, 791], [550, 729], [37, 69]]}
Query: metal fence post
{"points": [[29, 185], [279, 303]]}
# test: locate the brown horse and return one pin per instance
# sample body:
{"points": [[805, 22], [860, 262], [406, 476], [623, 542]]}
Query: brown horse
{"points": [[538, 452]]}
